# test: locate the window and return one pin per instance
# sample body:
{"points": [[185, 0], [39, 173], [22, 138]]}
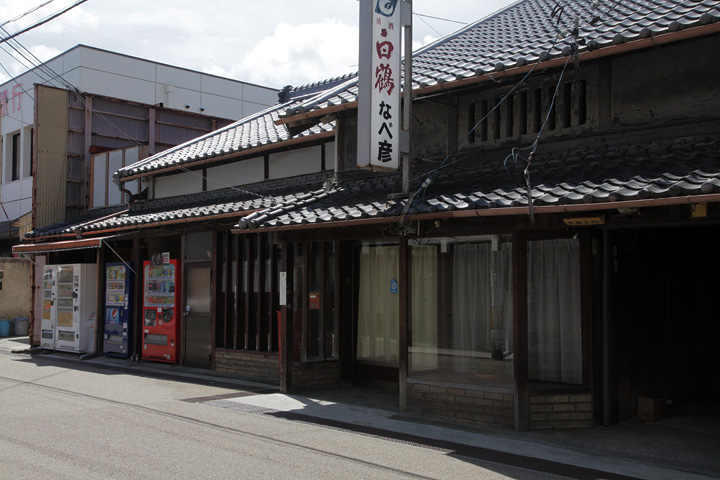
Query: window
{"points": [[378, 304], [246, 317], [461, 311], [321, 328], [554, 320], [15, 157], [525, 111]]}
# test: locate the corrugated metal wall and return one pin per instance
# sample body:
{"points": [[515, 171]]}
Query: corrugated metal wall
{"points": [[49, 189], [63, 152]]}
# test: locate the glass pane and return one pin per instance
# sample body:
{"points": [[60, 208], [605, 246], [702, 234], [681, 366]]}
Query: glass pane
{"points": [[378, 304], [198, 246], [554, 317], [461, 311]]}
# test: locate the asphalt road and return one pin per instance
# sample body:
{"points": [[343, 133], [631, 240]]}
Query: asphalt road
{"points": [[77, 421]]}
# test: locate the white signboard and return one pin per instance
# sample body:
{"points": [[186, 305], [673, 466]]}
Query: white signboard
{"points": [[379, 149]]}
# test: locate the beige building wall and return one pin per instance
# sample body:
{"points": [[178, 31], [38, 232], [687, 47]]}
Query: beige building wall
{"points": [[16, 293]]}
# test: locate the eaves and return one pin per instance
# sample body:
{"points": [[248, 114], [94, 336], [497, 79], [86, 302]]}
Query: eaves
{"points": [[492, 212]]}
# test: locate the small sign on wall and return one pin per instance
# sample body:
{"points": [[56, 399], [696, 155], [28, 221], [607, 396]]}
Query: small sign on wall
{"points": [[314, 301]]}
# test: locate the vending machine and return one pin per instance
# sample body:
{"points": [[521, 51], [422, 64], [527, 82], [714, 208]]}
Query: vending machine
{"points": [[160, 310], [47, 326], [69, 298], [119, 282]]}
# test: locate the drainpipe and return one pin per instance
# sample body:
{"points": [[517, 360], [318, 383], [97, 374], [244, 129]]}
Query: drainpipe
{"points": [[170, 92]]}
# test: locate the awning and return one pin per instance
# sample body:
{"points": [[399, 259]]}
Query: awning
{"points": [[78, 244]]}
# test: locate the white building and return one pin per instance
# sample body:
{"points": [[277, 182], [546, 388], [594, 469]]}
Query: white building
{"points": [[142, 92]]}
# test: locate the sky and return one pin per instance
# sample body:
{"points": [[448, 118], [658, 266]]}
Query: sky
{"points": [[285, 42]]}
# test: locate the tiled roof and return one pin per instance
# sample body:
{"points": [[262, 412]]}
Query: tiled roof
{"points": [[658, 169], [517, 35], [527, 31], [255, 131], [229, 202], [621, 173]]}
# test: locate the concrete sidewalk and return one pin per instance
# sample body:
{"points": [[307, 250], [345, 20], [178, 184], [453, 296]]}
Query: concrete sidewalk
{"points": [[633, 449]]}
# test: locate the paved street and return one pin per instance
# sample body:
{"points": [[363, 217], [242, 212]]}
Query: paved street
{"points": [[60, 422], [63, 418]]}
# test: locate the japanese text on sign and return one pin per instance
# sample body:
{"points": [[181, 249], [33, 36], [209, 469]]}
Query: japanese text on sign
{"points": [[385, 112]]}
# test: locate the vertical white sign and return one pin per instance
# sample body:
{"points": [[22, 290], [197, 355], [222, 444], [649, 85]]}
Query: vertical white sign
{"points": [[380, 87]]}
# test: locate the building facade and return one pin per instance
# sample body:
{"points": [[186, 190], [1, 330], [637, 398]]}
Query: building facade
{"points": [[91, 100], [551, 265]]}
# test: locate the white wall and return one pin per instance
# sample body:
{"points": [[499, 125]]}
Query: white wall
{"points": [[295, 162], [174, 185], [238, 173]]}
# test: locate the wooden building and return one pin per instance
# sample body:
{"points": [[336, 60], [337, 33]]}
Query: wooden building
{"points": [[552, 266]]}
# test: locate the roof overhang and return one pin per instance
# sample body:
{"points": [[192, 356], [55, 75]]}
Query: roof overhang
{"points": [[492, 212], [47, 247]]}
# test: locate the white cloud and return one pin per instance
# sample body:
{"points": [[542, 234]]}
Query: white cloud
{"points": [[299, 54]]}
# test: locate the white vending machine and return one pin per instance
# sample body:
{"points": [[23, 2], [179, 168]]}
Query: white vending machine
{"points": [[69, 300]]}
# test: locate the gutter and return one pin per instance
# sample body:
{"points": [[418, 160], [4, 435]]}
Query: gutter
{"points": [[494, 212]]}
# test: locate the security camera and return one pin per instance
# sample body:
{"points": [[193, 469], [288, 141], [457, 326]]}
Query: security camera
{"points": [[187, 105], [202, 109]]}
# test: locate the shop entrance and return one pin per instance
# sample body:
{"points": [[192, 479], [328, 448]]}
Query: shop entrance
{"points": [[666, 336], [197, 340], [197, 295]]}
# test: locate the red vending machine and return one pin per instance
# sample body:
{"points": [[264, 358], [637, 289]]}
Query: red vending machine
{"points": [[160, 311]]}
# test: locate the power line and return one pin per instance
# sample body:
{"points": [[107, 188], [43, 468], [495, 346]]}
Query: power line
{"points": [[440, 18], [26, 13], [43, 21]]}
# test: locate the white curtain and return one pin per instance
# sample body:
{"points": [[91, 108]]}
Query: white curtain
{"points": [[482, 298], [379, 306], [424, 321], [554, 320]]}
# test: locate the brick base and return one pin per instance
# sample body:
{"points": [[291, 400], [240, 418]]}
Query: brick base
{"points": [[489, 407], [248, 364], [312, 376], [561, 411]]}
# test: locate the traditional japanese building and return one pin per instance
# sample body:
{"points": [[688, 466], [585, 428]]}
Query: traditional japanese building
{"points": [[552, 265]]}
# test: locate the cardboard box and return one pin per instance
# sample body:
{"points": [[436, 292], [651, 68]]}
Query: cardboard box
{"points": [[652, 409]]}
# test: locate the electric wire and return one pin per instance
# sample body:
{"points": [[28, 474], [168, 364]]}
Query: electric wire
{"points": [[15, 19], [561, 35], [43, 21]]}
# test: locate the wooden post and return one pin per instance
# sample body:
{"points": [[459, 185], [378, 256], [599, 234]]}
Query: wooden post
{"points": [[403, 322], [520, 317]]}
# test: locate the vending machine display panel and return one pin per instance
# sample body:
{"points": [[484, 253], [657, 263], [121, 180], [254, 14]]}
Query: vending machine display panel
{"points": [[160, 300]]}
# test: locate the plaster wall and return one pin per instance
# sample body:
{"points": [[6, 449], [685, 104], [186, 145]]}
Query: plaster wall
{"points": [[174, 185], [16, 293], [297, 162], [669, 83], [238, 173]]}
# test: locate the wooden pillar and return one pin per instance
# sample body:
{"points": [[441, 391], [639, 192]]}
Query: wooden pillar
{"points": [[520, 317], [403, 321], [285, 324], [137, 314]]}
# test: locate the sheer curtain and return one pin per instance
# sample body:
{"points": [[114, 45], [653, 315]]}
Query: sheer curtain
{"points": [[379, 307], [482, 298], [471, 297], [424, 320], [554, 320]]}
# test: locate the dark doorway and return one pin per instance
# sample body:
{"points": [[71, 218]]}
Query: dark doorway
{"points": [[665, 326]]}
